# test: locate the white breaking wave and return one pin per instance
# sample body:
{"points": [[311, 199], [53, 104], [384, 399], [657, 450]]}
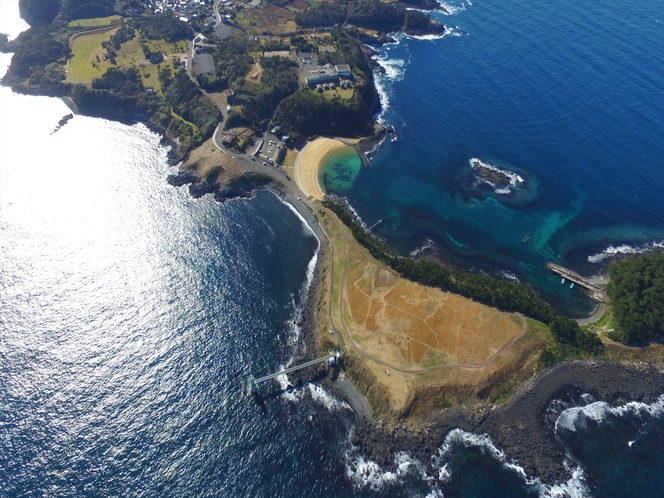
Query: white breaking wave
{"points": [[612, 251], [428, 37], [427, 245], [514, 178], [368, 474], [330, 402], [509, 276], [394, 70], [451, 9], [573, 488], [311, 271], [453, 31], [578, 417]]}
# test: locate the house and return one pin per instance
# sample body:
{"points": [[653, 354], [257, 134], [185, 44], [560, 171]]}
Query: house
{"points": [[321, 74], [300, 142], [228, 139], [228, 95], [343, 70]]}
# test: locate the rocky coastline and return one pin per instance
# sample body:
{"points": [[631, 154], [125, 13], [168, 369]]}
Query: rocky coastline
{"points": [[520, 428], [493, 176]]}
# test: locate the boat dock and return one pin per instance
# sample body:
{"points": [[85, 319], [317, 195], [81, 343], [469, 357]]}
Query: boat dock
{"points": [[597, 292], [253, 383], [375, 225]]}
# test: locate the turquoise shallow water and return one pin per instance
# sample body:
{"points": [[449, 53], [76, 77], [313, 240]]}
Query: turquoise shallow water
{"points": [[569, 96], [339, 170]]}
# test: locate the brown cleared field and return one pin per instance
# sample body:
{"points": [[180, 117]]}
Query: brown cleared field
{"points": [[270, 18], [207, 159], [415, 348], [417, 326]]}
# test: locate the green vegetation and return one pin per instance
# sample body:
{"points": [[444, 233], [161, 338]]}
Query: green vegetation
{"points": [[96, 22], [369, 14], [165, 25], [37, 50], [502, 396], [80, 9], [637, 297], [87, 60], [187, 101], [572, 342], [232, 62]]}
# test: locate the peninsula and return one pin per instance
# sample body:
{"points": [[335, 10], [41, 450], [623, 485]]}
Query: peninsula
{"points": [[245, 91]]}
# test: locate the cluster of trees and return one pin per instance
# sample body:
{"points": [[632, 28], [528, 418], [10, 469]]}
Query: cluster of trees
{"points": [[370, 14], [187, 101], [279, 79], [39, 12], [325, 14], [38, 48], [232, 62], [306, 112], [85, 9], [165, 25], [301, 44], [571, 341], [122, 35], [637, 296], [117, 91]]}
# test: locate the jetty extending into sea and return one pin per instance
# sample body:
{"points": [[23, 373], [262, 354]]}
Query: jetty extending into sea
{"points": [[596, 292]]}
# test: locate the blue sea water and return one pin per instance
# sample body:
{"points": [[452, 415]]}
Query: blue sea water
{"points": [[568, 95], [131, 316]]}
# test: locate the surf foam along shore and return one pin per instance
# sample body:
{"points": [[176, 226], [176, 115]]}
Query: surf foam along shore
{"points": [[519, 431], [624, 250]]}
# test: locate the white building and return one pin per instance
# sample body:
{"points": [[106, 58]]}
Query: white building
{"points": [[343, 70]]}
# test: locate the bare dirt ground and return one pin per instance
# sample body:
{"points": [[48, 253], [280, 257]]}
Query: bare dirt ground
{"points": [[402, 338], [207, 159]]}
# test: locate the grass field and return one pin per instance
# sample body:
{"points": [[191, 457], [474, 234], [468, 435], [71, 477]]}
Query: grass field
{"points": [[338, 93], [88, 61], [96, 22]]}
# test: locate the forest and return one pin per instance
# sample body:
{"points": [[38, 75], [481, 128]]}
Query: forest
{"points": [[637, 297], [371, 14]]}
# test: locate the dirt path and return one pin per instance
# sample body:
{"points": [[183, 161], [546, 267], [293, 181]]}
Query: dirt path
{"points": [[353, 345]]}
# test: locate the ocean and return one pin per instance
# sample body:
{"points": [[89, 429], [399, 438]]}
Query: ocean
{"points": [[132, 315], [567, 96]]}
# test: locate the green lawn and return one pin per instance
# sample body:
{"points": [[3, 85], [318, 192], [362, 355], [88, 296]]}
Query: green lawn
{"points": [[84, 66], [166, 48], [96, 22], [337, 93]]}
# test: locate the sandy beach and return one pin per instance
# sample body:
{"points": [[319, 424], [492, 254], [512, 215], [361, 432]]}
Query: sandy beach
{"points": [[307, 163]]}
